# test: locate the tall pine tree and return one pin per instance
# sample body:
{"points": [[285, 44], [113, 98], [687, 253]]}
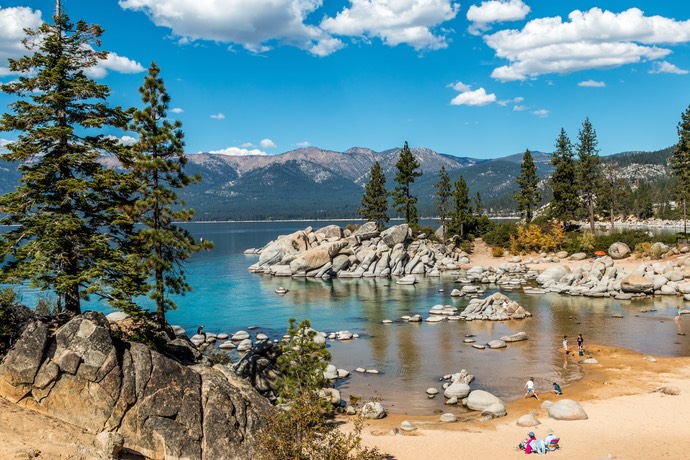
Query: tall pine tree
{"points": [[67, 230], [680, 165], [375, 199], [588, 168], [462, 220], [442, 198], [408, 170], [157, 163], [528, 195], [563, 181]]}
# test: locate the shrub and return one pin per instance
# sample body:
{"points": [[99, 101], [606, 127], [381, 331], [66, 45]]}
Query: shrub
{"points": [[534, 238], [643, 249], [303, 432], [8, 300], [302, 362], [497, 251], [499, 235]]}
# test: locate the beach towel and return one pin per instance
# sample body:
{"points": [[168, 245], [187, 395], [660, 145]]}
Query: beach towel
{"points": [[538, 446]]}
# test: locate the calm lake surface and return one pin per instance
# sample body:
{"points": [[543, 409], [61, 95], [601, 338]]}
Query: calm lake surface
{"points": [[410, 356]]}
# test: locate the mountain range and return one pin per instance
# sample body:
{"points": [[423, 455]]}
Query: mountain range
{"points": [[312, 183]]}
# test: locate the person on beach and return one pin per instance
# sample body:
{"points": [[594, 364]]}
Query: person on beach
{"points": [[557, 389], [200, 331], [530, 389], [680, 312], [580, 345], [565, 344], [551, 440]]}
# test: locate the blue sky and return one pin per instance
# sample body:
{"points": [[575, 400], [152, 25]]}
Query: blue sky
{"points": [[467, 78]]}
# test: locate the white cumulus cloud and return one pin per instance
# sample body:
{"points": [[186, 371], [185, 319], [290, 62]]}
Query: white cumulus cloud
{"points": [[176, 110], [493, 11], [239, 152], [13, 21], [116, 63], [217, 116], [593, 39], [592, 84], [413, 22], [467, 96], [667, 67], [507, 102], [541, 113], [303, 144], [267, 144], [124, 140]]}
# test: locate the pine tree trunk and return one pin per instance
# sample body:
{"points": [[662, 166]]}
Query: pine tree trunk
{"points": [[591, 214]]}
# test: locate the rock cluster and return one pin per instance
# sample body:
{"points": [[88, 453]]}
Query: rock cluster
{"points": [[161, 408], [333, 252], [496, 307], [457, 391], [600, 278]]}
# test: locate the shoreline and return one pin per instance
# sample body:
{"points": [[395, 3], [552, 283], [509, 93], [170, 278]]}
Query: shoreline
{"points": [[626, 417]]}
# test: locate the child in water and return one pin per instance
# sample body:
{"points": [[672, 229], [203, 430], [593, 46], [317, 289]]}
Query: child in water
{"points": [[556, 389]]}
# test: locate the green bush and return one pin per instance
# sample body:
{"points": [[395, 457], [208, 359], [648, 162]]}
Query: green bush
{"points": [[8, 300], [499, 235]]}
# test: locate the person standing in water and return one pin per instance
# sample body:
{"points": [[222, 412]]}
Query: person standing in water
{"points": [[565, 344], [580, 344]]}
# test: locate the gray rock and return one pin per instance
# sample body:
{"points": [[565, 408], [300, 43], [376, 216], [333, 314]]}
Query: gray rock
{"points": [[478, 346], [619, 251], [331, 395], [373, 410], [432, 391], [578, 256], [567, 409], [331, 372], [546, 404], [407, 280], [407, 426], [396, 234], [494, 344], [126, 390], [515, 337], [480, 400], [457, 390], [111, 444], [245, 345], [240, 335], [671, 391], [589, 361], [448, 418], [495, 410], [636, 284], [527, 420]]}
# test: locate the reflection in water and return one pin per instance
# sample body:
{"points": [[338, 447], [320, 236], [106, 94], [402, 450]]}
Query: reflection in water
{"points": [[411, 357]]}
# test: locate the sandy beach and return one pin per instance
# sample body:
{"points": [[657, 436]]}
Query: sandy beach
{"points": [[627, 418]]}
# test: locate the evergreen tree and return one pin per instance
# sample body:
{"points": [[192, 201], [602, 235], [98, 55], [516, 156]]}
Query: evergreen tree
{"points": [[461, 221], [680, 165], [612, 192], [67, 228], [563, 181], [528, 195], [442, 197], [157, 164], [408, 170], [478, 206], [375, 199], [589, 168]]}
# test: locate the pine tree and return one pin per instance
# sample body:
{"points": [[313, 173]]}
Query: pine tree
{"points": [[563, 181], [442, 198], [612, 192], [408, 170], [680, 165], [528, 195], [588, 168], [461, 221], [478, 206], [68, 229], [157, 164], [375, 199]]}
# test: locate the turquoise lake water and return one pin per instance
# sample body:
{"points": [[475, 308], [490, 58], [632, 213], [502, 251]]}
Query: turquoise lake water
{"points": [[411, 357]]}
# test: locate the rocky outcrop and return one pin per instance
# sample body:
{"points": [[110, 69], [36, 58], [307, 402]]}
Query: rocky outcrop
{"points": [[330, 252], [161, 408], [496, 307], [619, 251], [567, 409]]}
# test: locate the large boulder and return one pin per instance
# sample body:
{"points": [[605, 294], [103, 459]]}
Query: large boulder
{"points": [[480, 400], [637, 284], [553, 274], [163, 409], [619, 251], [373, 410], [567, 409], [457, 389], [330, 231], [366, 232], [396, 234], [293, 243], [315, 258]]}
